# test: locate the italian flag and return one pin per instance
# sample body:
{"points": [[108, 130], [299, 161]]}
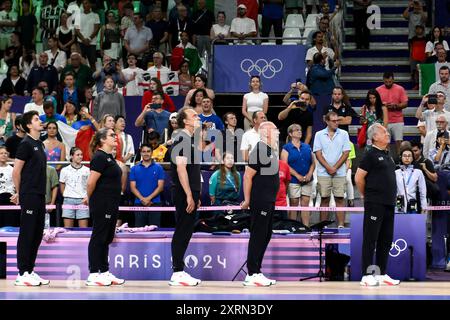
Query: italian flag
{"points": [[429, 74]]}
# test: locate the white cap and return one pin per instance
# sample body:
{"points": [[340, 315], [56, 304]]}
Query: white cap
{"points": [[242, 6], [173, 115]]}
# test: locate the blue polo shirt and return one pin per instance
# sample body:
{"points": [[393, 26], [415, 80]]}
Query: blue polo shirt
{"points": [[299, 159], [332, 149], [146, 179]]}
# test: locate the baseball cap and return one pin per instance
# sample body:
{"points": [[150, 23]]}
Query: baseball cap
{"points": [[173, 115], [242, 6]]}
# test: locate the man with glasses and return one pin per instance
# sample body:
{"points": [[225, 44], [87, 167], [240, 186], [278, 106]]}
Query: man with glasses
{"points": [[443, 85], [332, 147], [137, 38], [158, 70], [437, 140], [435, 108]]}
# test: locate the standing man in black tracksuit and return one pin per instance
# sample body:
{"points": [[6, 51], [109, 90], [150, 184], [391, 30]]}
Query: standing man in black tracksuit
{"points": [[29, 176], [261, 184], [376, 182], [185, 160]]}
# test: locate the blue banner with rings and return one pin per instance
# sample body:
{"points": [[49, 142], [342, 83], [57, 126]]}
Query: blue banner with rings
{"points": [[277, 65]]}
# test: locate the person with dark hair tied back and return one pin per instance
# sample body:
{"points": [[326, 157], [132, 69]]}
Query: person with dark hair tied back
{"points": [[373, 111], [29, 176], [103, 191], [155, 86], [196, 100], [225, 183], [200, 82], [254, 101], [14, 84], [13, 142], [7, 118]]}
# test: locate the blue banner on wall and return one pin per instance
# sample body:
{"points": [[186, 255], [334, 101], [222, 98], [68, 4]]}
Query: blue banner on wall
{"points": [[277, 65]]}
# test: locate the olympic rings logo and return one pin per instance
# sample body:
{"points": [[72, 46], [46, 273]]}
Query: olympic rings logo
{"points": [[261, 66], [398, 247]]}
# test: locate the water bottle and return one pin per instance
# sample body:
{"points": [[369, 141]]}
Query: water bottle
{"points": [[47, 220]]}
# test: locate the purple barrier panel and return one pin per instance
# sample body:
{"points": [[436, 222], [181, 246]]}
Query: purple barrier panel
{"points": [[440, 224], [409, 232]]}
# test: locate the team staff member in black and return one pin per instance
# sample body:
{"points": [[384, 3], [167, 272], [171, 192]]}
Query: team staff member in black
{"points": [[29, 176], [376, 182], [261, 184], [185, 168], [103, 190]]}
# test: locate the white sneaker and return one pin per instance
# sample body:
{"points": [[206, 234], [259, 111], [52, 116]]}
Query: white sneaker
{"points": [[272, 281], [98, 280], [182, 278], [385, 280], [114, 280], [26, 280], [369, 281], [256, 280], [38, 278]]}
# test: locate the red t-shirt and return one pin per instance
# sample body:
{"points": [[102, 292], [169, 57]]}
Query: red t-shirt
{"points": [[285, 176]]}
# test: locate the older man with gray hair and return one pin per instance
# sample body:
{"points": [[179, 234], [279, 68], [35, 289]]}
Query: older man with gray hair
{"points": [[376, 182]]}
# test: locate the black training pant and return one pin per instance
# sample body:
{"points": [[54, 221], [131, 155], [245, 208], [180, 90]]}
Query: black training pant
{"points": [[104, 211], [260, 234], [184, 227], [32, 219], [362, 33], [378, 231]]}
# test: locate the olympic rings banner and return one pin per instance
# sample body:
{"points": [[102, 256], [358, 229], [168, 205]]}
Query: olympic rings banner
{"points": [[277, 65]]}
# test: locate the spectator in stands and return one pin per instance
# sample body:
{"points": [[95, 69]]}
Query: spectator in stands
{"points": [[109, 101], [56, 56], [442, 85], [70, 112], [43, 72], [231, 140], [172, 129], [209, 152], [243, 27], [158, 70], [208, 118], [110, 37], [159, 153], [254, 101], [281, 199], [126, 140], [108, 122], [426, 165], [220, 30], [89, 98], [27, 25], [47, 97], [332, 147], [50, 16], [50, 115], [86, 28], [154, 117], [65, 34], [429, 109], [37, 104], [300, 159], [160, 30], [251, 137], [410, 184], [196, 100], [319, 47], [435, 37], [185, 79], [186, 51], [14, 84], [203, 20], [73, 184], [13, 52], [395, 98], [320, 80], [200, 82], [298, 112], [294, 93], [147, 183], [415, 15], [156, 87], [70, 91], [345, 112], [328, 39], [86, 121], [435, 140], [8, 22], [54, 149], [225, 183], [181, 23], [373, 111], [417, 53], [111, 68], [272, 15], [51, 192], [422, 130], [8, 217], [133, 77], [26, 62], [81, 72], [127, 18], [137, 39], [13, 142], [7, 119], [360, 18]]}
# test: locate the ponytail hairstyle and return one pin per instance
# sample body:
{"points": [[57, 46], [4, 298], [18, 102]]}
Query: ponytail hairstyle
{"points": [[96, 141], [72, 151]]}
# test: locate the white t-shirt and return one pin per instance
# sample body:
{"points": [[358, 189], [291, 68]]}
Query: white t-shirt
{"points": [[6, 182], [86, 23], [255, 101], [218, 29], [128, 144], [75, 181], [429, 47], [133, 88], [313, 50], [60, 60], [249, 140], [31, 106], [243, 25]]}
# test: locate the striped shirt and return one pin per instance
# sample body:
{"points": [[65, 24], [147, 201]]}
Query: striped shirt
{"points": [[50, 17]]}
